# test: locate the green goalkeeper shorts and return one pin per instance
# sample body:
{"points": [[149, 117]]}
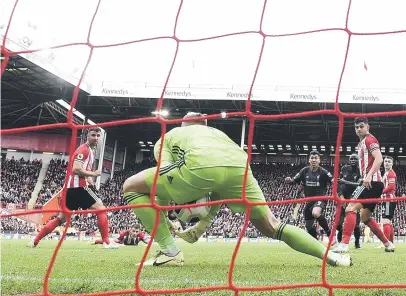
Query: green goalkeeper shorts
{"points": [[182, 185]]}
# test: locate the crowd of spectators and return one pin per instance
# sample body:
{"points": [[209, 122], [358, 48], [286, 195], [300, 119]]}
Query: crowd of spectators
{"points": [[53, 181], [18, 179], [270, 178], [15, 224]]}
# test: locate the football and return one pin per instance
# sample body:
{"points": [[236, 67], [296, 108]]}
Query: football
{"points": [[194, 215]]}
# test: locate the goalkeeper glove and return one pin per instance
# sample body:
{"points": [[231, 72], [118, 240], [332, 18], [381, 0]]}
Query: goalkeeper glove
{"points": [[192, 234], [172, 227]]}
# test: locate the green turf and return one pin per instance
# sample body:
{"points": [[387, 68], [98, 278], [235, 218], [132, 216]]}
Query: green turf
{"points": [[83, 268]]}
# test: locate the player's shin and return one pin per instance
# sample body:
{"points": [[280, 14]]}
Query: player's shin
{"points": [[147, 216], [302, 242], [387, 230], [371, 223], [311, 228], [357, 234], [296, 238], [348, 226], [392, 234], [48, 228], [324, 224], [103, 224], [340, 233]]}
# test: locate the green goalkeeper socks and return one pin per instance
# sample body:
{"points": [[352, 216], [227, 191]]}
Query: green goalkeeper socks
{"points": [[301, 241], [147, 217]]}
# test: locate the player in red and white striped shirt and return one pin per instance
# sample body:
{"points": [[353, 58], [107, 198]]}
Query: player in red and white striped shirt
{"points": [[389, 179], [129, 237], [370, 160], [80, 192]]}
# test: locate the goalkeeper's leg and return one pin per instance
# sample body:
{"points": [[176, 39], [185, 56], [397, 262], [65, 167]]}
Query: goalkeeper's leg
{"points": [[296, 238], [263, 219], [137, 192]]}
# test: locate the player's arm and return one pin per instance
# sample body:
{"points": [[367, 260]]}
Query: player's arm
{"points": [[340, 184], [119, 240], [341, 181], [298, 178], [90, 181], [391, 184], [78, 162], [78, 170], [143, 238], [329, 176], [373, 147]]}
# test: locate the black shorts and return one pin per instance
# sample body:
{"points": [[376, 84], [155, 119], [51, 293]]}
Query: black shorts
{"points": [[363, 193], [388, 209], [82, 197], [314, 204]]}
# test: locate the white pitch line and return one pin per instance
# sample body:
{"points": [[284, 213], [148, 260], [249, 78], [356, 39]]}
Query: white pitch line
{"points": [[128, 281]]}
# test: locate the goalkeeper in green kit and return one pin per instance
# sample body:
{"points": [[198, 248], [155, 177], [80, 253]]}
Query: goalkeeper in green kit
{"points": [[197, 159]]}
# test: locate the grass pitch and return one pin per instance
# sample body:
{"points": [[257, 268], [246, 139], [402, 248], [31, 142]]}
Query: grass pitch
{"points": [[84, 268]]}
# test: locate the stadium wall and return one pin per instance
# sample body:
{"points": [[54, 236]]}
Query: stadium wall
{"points": [[47, 146], [56, 143]]}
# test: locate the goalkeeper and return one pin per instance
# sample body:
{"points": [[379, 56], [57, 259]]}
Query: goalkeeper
{"points": [[197, 159]]}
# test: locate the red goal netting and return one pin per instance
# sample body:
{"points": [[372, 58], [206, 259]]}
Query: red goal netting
{"points": [[231, 286]]}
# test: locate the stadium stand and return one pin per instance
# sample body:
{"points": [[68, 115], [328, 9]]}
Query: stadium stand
{"points": [[228, 225], [18, 179]]}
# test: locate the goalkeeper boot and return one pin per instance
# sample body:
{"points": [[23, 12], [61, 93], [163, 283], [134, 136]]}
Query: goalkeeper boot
{"points": [[161, 258]]}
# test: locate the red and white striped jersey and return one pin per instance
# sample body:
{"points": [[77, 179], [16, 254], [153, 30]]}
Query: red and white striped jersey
{"points": [[389, 179], [83, 154], [366, 160]]}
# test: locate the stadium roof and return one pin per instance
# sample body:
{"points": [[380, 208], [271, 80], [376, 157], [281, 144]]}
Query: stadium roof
{"points": [[218, 72], [131, 47], [26, 86]]}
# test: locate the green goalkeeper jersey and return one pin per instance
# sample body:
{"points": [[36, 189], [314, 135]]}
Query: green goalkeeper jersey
{"points": [[200, 146]]}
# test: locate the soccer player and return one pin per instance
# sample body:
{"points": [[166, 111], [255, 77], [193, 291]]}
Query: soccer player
{"points": [[79, 193], [132, 237], [349, 180], [129, 237], [314, 179], [370, 160], [195, 160], [389, 180]]}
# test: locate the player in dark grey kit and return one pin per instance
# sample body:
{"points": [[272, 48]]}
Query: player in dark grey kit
{"points": [[349, 180], [314, 180]]}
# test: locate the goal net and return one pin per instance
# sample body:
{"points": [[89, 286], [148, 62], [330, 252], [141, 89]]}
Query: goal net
{"points": [[296, 51]]}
